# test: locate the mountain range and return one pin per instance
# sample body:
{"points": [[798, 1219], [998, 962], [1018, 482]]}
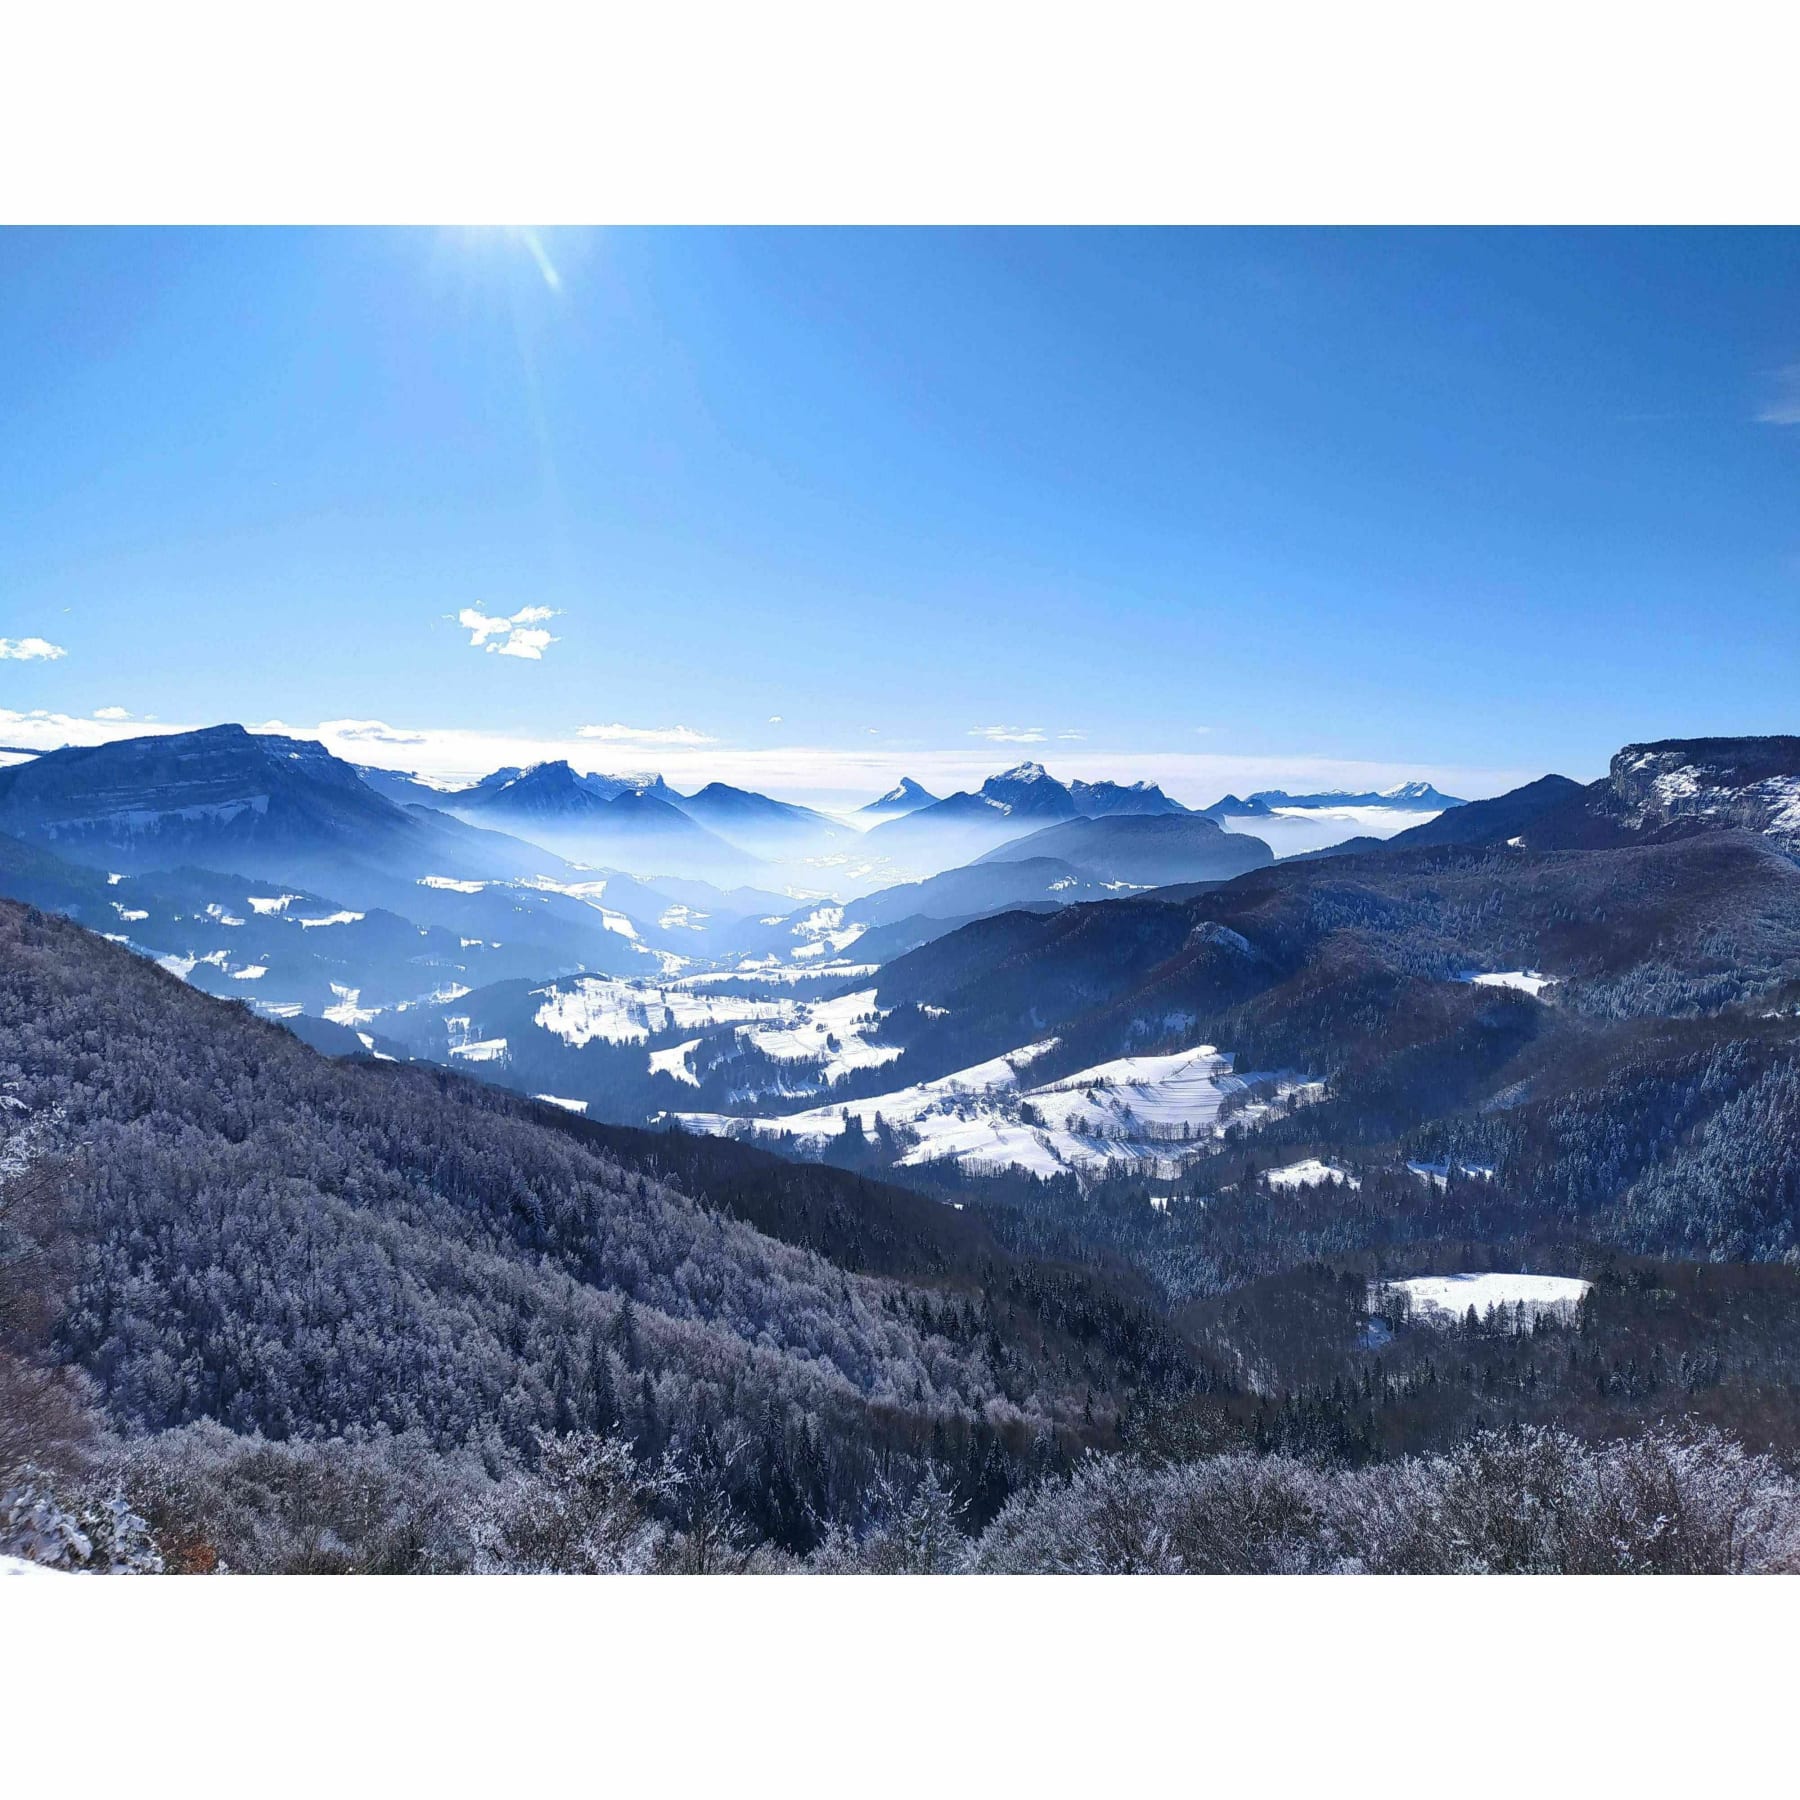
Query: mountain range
{"points": [[1083, 1172]]}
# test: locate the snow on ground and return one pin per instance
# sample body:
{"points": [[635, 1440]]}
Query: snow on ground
{"points": [[768, 970], [465, 1044], [252, 972], [450, 884], [1185, 1089], [903, 1106], [1527, 981], [832, 1032], [1446, 1299], [589, 893], [17, 1565], [336, 918], [823, 929], [1309, 1173], [574, 1106], [612, 1010], [1438, 1173], [674, 1061], [217, 913], [1141, 1110], [347, 1011], [271, 903]]}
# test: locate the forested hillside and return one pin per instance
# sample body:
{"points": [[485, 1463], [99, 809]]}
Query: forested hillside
{"points": [[296, 1248]]}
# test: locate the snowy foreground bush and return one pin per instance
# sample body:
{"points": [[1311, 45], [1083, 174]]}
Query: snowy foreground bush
{"points": [[1531, 1502], [93, 1534], [1522, 1501]]}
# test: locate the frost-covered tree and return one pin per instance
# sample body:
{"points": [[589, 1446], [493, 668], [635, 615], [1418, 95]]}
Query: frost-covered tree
{"points": [[88, 1533], [589, 1508]]}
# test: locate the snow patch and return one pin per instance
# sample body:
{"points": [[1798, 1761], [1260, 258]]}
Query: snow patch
{"points": [[347, 1011], [1310, 1173], [1526, 981], [674, 1061], [1446, 1299]]}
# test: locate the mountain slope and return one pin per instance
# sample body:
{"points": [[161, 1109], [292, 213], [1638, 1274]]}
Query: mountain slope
{"points": [[905, 797], [632, 828], [726, 810], [1673, 788], [281, 808], [1496, 821], [1606, 1030], [301, 1248], [1106, 799], [1141, 850]]}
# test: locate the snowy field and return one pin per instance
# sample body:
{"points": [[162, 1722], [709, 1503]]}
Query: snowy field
{"points": [[1527, 981], [903, 1106], [1446, 1299], [611, 1010], [833, 1035], [1142, 1111], [1310, 1173]]}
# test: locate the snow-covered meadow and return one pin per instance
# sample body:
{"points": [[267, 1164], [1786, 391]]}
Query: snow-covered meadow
{"points": [[1138, 1111], [1446, 1299]]}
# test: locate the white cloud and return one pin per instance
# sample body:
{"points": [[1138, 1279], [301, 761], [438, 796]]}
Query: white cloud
{"points": [[358, 731], [1008, 734], [677, 736], [1783, 405], [111, 714], [520, 635], [774, 718], [1071, 737], [30, 649], [40, 730]]}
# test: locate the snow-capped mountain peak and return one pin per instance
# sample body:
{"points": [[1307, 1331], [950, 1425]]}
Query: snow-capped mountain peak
{"points": [[904, 797]]}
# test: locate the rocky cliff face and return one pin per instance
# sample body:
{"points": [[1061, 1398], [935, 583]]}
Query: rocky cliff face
{"points": [[1752, 783]]}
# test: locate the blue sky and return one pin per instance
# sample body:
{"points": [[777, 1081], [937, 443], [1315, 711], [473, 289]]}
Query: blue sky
{"points": [[1230, 508]]}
